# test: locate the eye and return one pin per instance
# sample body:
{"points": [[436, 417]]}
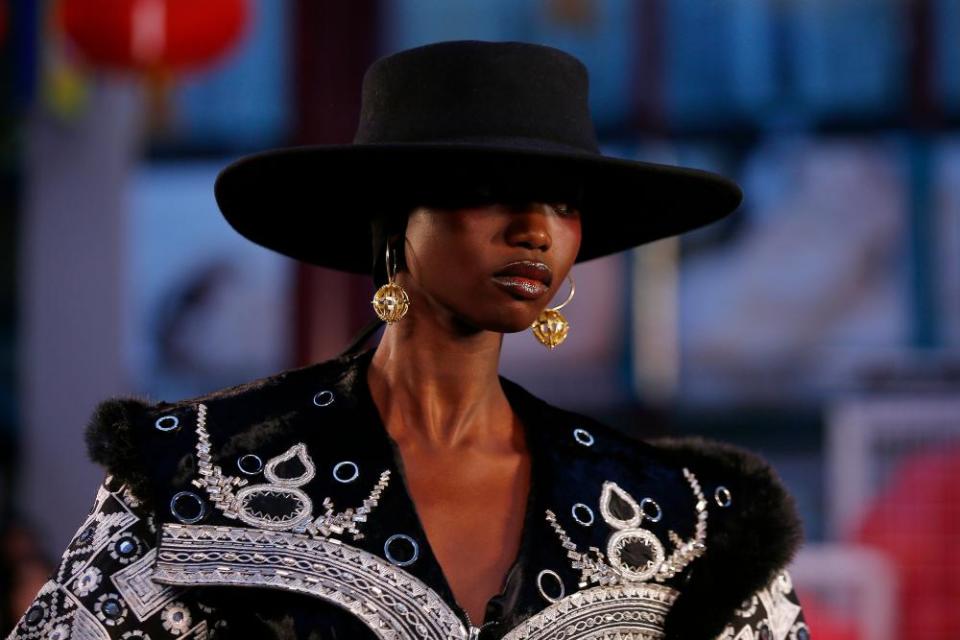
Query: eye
{"points": [[563, 208]]}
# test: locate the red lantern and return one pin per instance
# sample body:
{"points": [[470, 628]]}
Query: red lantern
{"points": [[3, 21], [152, 35]]}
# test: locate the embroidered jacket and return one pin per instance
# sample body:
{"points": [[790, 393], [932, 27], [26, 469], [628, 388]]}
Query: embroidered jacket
{"points": [[278, 509]]}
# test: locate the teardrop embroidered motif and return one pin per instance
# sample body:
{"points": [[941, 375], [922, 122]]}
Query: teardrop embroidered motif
{"points": [[278, 504], [298, 451], [634, 555], [611, 490]]}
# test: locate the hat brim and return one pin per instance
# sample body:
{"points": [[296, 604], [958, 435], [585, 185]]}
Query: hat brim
{"points": [[315, 203]]}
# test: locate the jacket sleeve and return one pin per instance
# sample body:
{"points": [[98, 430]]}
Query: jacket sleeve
{"points": [[102, 587], [771, 612], [753, 532]]}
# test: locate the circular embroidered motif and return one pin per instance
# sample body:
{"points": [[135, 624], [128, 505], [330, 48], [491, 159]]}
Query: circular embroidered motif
{"points": [[87, 582], [110, 609], [176, 618], [59, 632], [126, 549], [635, 553], [35, 614]]}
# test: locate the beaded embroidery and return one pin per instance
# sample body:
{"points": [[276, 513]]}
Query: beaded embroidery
{"points": [[614, 569], [293, 507]]}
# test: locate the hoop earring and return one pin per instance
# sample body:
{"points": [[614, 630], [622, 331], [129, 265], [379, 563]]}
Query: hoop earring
{"points": [[551, 327], [390, 302]]}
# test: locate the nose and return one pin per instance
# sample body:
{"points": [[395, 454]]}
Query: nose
{"points": [[528, 226]]}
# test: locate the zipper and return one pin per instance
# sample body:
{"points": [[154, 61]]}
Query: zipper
{"points": [[473, 632]]}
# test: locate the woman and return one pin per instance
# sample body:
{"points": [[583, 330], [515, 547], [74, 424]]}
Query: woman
{"points": [[409, 491]]}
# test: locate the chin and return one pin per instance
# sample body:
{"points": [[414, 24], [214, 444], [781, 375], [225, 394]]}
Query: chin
{"points": [[507, 320]]}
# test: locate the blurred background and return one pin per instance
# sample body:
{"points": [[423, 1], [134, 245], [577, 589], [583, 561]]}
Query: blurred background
{"points": [[818, 326]]}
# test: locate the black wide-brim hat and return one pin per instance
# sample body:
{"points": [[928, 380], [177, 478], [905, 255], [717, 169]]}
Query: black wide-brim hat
{"points": [[453, 123]]}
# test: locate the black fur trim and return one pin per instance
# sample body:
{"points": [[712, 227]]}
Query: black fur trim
{"points": [[111, 441], [747, 543]]}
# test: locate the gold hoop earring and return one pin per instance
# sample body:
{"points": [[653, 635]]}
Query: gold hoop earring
{"points": [[390, 302], [551, 327]]}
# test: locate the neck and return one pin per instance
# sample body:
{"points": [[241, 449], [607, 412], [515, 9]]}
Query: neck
{"points": [[438, 385]]}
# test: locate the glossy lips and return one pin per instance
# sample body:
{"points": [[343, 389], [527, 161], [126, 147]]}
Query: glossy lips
{"points": [[526, 278]]}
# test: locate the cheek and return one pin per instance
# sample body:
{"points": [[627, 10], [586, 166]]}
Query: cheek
{"points": [[567, 235], [444, 247]]}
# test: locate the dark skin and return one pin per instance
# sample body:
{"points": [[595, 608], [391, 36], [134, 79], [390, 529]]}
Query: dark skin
{"points": [[434, 380]]}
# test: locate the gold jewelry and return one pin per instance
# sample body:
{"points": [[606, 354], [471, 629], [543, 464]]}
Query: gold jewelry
{"points": [[551, 327], [390, 302]]}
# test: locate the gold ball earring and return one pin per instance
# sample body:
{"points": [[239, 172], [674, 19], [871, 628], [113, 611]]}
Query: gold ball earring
{"points": [[551, 327], [390, 302]]}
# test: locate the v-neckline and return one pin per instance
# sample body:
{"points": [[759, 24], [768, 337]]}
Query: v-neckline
{"points": [[532, 508]]}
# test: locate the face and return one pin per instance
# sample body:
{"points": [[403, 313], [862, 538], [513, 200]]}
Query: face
{"points": [[492, 267]]}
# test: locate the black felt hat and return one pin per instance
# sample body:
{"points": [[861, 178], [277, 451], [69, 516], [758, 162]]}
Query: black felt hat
{"points": [[453, 122]]}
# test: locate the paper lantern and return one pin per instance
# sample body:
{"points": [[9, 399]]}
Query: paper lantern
{"points": [[152, 35]]}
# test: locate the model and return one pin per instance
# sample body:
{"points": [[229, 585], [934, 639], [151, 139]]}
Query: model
{"points": [[408, 490]]}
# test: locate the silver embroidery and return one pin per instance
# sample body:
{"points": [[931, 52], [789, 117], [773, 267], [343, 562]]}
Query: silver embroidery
{"points": [[176, 618], [250, 464], [87, 627], [781, 611], [129, 499], [621, 540], [80, 603], [591, 570], [657, 514], [615, 569], [579, 508], [749, 607], [298, 451], [199, 632], [110, 609], [722, 496], [393, 603], [628, 611], [611, 489], [177, 503], [337, 522], [297, 507], [87, 582], [351, 476], [218, 486], [236, 498], [144, 596], [780, 614], [126, 549], [686, 551], [59, 632], [560, 586], [414, 549], [583, 437]]}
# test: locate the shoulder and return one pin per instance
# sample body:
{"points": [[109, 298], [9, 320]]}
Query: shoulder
{"points": [[754, 534], [141, 441], [752, 526]]}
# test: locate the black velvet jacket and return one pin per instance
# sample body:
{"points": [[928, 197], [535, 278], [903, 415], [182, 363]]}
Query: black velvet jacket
{"points": [[278, 509]]}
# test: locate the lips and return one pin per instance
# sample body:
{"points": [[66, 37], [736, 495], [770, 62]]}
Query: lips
{"points": [[524, 279], [527, 269]]}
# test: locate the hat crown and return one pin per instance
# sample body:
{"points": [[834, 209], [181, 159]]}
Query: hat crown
{"points": [[477, 92]]}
